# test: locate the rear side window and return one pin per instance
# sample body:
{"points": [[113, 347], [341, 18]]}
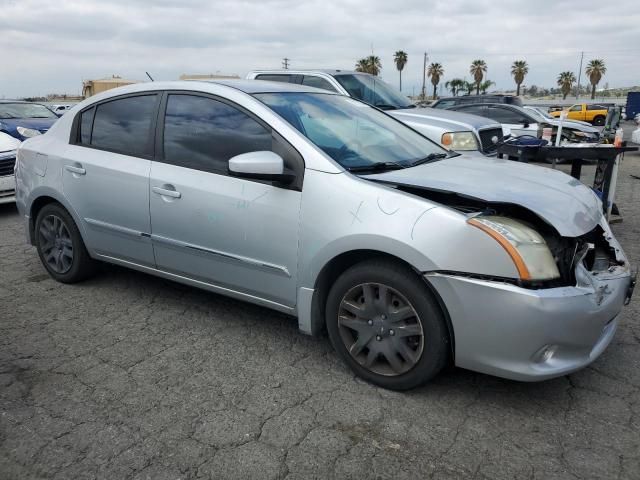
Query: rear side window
{"points": [[203, 134], [317, 82], [86, 122], [474, 110], [596, 107], [124, 125], [276, 78], [504, 115], [445, 104]]}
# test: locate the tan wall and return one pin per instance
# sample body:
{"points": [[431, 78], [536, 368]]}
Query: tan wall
{"points": [[92, 87]]}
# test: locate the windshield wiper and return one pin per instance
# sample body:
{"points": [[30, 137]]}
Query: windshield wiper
{"points": [[386, 106], [432, 157], [376, 167]]}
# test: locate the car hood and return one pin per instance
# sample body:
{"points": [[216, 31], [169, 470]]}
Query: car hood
{"points": [[574, 124], [11, 124], [8, 143], [446, 119], [565, 203]]}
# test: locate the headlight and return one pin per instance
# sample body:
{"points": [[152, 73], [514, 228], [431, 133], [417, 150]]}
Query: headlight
{"points": [[28, 132], [525, 246], [460, 141]]}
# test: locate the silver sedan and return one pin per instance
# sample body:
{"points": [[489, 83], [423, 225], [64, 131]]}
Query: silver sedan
{"points": [[322, 207]]}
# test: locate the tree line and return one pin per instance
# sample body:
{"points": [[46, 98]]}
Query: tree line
{"points": [[594, 70]]}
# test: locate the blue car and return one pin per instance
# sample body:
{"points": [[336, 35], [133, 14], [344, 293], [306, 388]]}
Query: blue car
{"points": [[23, 120]]}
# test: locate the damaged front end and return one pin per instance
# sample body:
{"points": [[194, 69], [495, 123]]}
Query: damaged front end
{"points": [[581, 261]]}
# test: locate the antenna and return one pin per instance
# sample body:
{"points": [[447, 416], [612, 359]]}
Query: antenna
{"points": [[285, 63], [150, 78]]}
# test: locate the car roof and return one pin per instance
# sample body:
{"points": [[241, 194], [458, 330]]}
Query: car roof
{"points": [[328, 71], [263, 86]]}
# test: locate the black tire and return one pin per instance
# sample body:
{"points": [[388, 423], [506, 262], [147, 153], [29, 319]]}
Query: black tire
{"points": [[405, 288], [599, 121], [55, 259]]}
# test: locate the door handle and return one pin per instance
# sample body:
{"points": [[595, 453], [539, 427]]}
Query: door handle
{"points": [[166, 192], [76, 170]]}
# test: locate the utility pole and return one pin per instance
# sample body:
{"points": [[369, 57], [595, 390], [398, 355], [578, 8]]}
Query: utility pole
{"points": [[285, 63], [579, 76], [424, 76]]}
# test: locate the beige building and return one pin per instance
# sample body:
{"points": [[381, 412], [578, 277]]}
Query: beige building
{"points": [[91, 87], [206, 76]]}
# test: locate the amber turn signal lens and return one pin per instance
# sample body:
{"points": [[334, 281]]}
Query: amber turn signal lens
{"points": [[447, 139]]}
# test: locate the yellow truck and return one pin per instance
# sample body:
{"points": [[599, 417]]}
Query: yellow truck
{"points": [[585, 112]]}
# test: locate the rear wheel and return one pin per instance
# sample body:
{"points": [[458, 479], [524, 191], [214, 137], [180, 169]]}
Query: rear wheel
{"points": [[385, 324], [599, 121], [60, 246]]}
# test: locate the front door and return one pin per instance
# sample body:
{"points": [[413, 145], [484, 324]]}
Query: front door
{"points": [[234, 233], [106, 176]]}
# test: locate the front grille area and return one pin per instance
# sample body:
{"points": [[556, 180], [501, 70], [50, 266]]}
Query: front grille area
{"points": [[6, 166], [486, 143]]}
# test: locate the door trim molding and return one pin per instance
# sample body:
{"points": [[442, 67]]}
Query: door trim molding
{"points": [[279, 269], [116, 228]]}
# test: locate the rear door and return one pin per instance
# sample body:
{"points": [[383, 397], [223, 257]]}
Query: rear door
{"points": [[235, 233], [106, 175]]}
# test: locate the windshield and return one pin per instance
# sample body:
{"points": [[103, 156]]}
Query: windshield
{"points": [[350, 132], [25, 110], [373, 91]]}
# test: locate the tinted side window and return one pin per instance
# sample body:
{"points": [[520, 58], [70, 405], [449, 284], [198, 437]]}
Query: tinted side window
{"points": [[474, 110], [503, 115], [596, 107], [86, 122], [203, 134], [317, 82], [124, 125], [276, 78]]}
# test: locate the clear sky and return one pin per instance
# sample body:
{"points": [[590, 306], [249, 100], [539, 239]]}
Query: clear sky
{"points": [[51, 46]]}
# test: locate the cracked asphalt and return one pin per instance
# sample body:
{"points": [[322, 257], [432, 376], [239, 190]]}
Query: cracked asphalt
{"points": [[127, 376]]}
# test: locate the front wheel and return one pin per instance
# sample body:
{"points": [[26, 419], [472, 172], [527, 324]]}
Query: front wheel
{"points": [[385, 324]]}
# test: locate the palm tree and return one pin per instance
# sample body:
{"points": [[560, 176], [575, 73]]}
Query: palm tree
{"points": [[468, 86], [519, 70], [455, 85], [362, 65], [478, 68], [400, 58], [484, 86], [370, 64], [565, 82], [435, 72], [595, 70]]}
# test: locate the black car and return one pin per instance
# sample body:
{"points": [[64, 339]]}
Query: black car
{"points": [[449, 102]]}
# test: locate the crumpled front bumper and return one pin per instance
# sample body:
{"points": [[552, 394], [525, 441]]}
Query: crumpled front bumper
{"points": [[530, 335]]}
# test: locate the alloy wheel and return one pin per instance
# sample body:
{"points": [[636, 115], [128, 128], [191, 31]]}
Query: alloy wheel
{"points": [[56, 244], [380, 329]]}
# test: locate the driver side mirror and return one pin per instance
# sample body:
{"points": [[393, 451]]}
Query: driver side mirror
{"points": [[262, 165], [525, 123]]}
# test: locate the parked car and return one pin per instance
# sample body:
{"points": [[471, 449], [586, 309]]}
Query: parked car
{"points": [[60, 110], [453, 131], [8, 148], [24, 120], [323, 207], [595, 114], [449, 102], [517, 121], [544, 115]]}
